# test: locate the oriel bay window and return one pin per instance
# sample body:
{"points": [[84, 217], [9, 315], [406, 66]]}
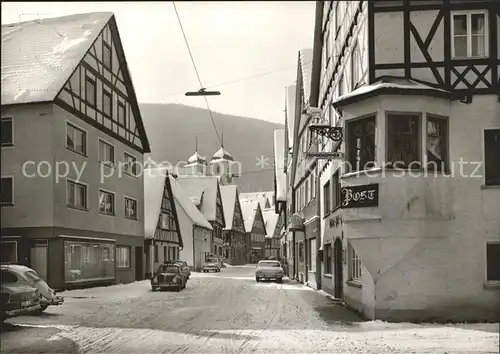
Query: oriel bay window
{"points": [[403, 148], [84, 261], [361, 143], [437, 143]]}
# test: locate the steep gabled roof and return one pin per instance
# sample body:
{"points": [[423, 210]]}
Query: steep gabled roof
{"points": [[39, 56], [271, 220], [202, 187], [279, 165], [265, 199], [228, 194], [249, 211], [305, 62], [154, 183], [290, 112], [52, 49], [191, 210]]}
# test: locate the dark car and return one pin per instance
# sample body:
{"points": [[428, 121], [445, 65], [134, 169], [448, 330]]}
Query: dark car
{"points": [[17, 299], [185, 268], [168, 276], [27, 276]]}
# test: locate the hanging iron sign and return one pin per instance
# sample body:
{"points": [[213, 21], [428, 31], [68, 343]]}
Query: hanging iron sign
{"points": [[360, 196]]}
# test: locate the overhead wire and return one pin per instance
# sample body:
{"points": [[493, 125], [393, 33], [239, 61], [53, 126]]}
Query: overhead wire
{"points": [[197, 73]]}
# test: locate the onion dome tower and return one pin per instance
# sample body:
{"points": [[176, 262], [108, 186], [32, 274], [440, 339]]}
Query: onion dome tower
{"points": [[197, 163], [222, 164]]}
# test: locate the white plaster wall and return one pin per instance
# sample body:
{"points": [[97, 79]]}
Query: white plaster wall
{"points": [[424, 245], [186, 229], [119, 183], [33, 196]]}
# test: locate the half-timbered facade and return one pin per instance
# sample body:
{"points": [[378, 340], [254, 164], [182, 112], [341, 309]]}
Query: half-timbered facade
{"points": [[163, 237], [256, 230], [413, 88], [205, 190], [68, 103], [234, 234]]}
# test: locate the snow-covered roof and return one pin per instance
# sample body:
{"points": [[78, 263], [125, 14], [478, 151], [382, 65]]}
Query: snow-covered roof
{"points": [[154, 183], [204, 188], [262, 197], [191, 210], [271, 220], [305, 60], [249, 211], [279, 164], [290, 112], [222, 154], [388, 85], [196, 158], [39, 56], [228, 194]]}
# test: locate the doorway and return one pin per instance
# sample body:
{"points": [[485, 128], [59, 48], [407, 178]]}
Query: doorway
{"points": [[337, 268], [39, 257], [139, 272]]}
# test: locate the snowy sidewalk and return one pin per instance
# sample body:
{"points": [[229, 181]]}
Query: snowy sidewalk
{"points": [[116, 291]]}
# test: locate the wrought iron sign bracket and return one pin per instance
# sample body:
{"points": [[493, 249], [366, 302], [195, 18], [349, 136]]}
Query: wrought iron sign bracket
{"points": [[332, 133]]}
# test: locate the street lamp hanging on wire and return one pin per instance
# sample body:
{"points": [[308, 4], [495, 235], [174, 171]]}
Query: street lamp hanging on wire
{"points": [[202, 92]]}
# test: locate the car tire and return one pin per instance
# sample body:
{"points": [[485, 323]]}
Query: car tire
{"points": [[42, 308], [179, 287], [280, 280], [257, 279]]}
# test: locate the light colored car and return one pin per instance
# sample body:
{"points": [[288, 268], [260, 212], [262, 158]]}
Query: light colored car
{"points": [[269, 270], [28, 277], [211, 264]]}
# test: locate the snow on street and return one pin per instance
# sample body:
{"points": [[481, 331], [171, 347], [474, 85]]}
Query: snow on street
{"points": [[227, 312]]}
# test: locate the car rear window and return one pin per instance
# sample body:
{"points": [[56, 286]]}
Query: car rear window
{"points": [[168, 269], [31, 275], [269, 264], [8, 277]]}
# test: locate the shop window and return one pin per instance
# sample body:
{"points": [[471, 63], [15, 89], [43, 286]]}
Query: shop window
{"points": [[88, 261]]}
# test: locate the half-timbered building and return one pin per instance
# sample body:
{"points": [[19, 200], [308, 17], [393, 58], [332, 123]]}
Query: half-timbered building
{"points": [[255, 228], [410, 100], [162, 232], [72, 133], [273, 223], [205, 192], [234, 233]]}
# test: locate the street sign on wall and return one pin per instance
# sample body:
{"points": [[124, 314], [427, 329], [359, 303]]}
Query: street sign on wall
{"points": [[360, 196], [337, 155]]}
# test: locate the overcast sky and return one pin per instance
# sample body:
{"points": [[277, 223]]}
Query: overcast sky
{"points": [[230, 41]]}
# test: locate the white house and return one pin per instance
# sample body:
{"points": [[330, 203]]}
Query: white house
{"points": [[195, 229]]}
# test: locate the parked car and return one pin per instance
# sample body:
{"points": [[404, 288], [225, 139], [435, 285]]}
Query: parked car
{"points": [[27, 276], [168, 276], [211, 264], [17, 298], [268, 270], [185, 268]]}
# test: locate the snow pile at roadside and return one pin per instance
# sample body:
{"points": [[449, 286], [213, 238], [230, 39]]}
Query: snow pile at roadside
{"points": [[116, 291]]}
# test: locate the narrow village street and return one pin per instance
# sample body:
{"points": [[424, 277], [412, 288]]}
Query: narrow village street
{"points": [[225, 312]]}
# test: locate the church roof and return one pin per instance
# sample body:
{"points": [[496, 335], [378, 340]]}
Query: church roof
{"points": [[222, 154], [196, 158]]}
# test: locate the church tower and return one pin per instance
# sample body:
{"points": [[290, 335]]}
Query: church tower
{"points": [[223, 165], [197, 164]]}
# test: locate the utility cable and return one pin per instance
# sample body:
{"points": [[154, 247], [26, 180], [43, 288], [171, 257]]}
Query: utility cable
{"points": [[196, 70]]}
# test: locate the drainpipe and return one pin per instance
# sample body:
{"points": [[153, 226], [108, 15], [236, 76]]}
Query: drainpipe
{"points": [[194, 253]]}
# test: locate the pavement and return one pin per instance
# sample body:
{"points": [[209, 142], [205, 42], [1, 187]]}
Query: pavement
{"points": [[225, 312]]}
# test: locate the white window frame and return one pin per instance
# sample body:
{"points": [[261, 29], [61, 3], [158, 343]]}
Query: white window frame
{"points": [[86, 206], [125, 265], [11, 119], [125, 165], [84, 153], [355, 272], [109, 163], [13, 192], [469, 14], [494, 283], [483, 153], [136, 207], [105, 191]]}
